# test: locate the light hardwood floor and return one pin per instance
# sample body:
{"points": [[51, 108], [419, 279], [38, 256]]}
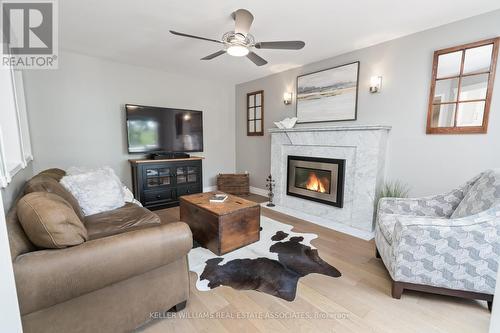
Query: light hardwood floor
{"points": [[359, 301]]}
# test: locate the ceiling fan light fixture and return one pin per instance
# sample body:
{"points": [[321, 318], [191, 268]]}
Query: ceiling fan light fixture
{"points": [[240, 43], [237, 50]]}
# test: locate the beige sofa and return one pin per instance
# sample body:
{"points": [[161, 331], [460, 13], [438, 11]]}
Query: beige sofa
{"points": [[131, 268]]}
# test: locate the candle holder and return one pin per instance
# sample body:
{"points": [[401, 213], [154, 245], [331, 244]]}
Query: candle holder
{"points": [[270, 194]]}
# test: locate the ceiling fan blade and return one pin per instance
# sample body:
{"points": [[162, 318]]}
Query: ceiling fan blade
{"points": [[281, 45], [192, 36], [256, 59], [243, 21], [213, 55]]}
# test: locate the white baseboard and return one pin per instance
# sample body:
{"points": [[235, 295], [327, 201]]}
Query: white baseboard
{"points": [[258, 191], [363, 234], [209, 188], [346, 229]]}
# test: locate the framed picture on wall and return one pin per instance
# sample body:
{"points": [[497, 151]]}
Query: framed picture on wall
{"points": [[328, 95], [255, 113], [462, 88]]}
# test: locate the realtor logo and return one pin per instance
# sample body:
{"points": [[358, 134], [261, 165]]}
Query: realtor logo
{"points": [[29, 34]]}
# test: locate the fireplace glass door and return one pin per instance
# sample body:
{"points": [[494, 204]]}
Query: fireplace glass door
{"points": [[316, 179]]}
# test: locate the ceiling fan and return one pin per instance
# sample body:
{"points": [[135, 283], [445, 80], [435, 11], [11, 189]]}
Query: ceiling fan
{"points": [[239, 43]]}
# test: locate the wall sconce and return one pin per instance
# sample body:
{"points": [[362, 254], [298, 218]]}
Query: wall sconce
{"points": [[287, 98], [375, 84]]}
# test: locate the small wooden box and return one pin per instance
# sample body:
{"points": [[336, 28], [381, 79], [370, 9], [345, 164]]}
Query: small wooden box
{"points": [[233, 183]]}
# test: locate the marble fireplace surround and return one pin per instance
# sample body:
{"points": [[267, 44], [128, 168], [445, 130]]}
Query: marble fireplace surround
{"points": [[362, 147]]}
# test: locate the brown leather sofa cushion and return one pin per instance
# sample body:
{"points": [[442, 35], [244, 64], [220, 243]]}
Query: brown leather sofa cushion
{"points": [[54, 173], [48, 277], [45, 183], [18, 240], [49, 221], [126, 218]]}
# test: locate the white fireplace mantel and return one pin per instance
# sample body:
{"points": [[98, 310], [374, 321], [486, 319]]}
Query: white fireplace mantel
{"points": [[331, 128], [361, 146]]}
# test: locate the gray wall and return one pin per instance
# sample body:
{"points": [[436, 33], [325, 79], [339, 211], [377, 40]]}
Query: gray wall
{"points": [[10, 193], [428, 163], [77, 115]]}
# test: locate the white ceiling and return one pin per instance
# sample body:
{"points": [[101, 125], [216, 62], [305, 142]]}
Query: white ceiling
{"points": [[136, 31]]}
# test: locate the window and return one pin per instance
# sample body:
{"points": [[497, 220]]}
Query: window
{"points": [[461, 88], [15, 146], [255, 113]]}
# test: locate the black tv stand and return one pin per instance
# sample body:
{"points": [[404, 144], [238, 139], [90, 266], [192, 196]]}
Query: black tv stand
{"points": [[160, 183], [168, 156]]}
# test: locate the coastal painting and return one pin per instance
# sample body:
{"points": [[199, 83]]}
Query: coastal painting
{"points": [[328, 95]]}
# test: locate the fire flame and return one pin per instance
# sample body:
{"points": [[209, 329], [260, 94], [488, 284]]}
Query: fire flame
{"points": [[315, 184]]}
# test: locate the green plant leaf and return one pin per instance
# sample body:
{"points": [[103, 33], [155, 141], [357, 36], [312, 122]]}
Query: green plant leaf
{"points": [[393, 189]]}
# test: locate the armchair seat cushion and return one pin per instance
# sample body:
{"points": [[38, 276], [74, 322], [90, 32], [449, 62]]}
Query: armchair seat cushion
{"points": [[386, 224], [126, 218]]}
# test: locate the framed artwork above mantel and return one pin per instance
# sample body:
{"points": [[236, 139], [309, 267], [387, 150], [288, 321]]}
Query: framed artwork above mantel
{"points": [[462, 88], [328, 95]]}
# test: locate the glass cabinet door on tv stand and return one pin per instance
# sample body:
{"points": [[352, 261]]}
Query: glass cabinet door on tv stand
{"points": [[187, 174], [156, 177]]}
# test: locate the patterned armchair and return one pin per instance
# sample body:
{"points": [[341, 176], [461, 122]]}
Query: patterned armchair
{"points": [[446, 244]]}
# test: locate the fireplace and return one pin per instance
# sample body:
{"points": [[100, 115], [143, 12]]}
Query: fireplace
{"points": [[316, 179]]}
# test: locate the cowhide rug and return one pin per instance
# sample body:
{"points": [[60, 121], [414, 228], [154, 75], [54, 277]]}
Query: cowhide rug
{"points": [[272, 265]]}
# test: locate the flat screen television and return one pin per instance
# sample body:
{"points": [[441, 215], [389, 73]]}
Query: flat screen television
{"points": [[154, 129]]}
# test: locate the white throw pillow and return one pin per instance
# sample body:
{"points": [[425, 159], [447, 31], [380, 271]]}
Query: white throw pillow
{"points": [[96, 191], [129, 196]]}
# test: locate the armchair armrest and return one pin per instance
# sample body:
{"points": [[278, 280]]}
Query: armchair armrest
{"points": [[49, 277], [452, 253], [491, 216]]}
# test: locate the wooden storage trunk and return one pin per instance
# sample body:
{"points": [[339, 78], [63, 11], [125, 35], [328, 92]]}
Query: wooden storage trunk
{"points": [[221, 227], [232, 183]]}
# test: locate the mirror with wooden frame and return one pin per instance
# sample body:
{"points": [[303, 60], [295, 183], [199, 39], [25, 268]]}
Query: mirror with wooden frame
{"points": [[461, 88], [255, 113]]}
